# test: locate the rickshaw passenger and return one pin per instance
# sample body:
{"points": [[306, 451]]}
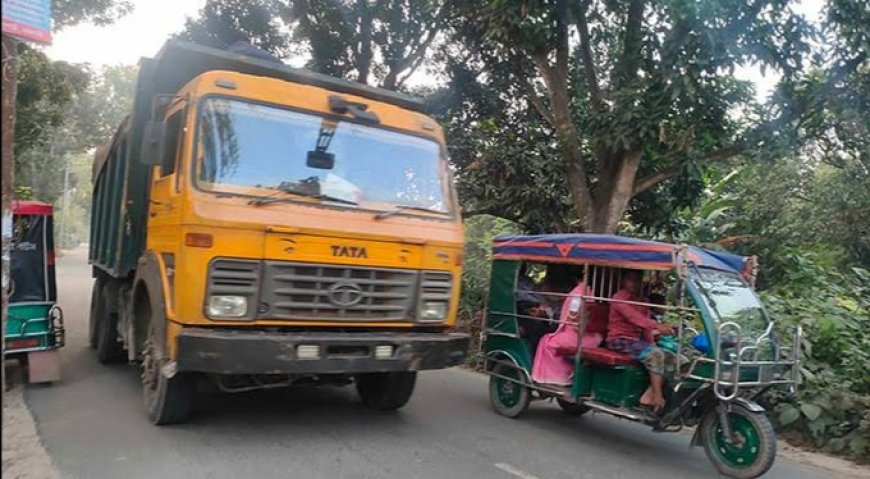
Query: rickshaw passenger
{"points": [[533, 329], [552, 364], [631, 331]]}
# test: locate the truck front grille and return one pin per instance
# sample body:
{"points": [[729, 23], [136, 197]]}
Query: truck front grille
{"points": [[234, 277], [335, 292]]}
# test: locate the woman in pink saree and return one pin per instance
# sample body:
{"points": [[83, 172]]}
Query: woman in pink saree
{"points": [[554, 358]]}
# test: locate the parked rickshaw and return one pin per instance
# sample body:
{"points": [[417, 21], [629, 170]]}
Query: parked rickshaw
{"points": [[726, 347], [34, 327]]}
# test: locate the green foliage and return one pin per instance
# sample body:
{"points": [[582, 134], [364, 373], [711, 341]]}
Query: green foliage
{"points": [[381, 42], [634, 103], [45, 91], [832, 407], [99, 12], [223, 22], [477, 262]]}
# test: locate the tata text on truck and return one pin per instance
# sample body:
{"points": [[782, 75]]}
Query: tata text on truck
{"points": [[259, 226]]}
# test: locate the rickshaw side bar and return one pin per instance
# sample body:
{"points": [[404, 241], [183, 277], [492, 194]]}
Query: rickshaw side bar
{"points": [[717, 367], [611, 300], [614, 264]]}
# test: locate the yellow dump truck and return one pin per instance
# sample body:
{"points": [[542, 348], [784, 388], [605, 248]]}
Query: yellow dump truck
{"points": [[259, 226]]}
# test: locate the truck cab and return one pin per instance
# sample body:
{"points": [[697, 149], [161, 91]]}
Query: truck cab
{"points": [[262, 225]]}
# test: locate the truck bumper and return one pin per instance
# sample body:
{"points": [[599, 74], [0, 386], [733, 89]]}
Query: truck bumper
{"points": [[235, 351]]}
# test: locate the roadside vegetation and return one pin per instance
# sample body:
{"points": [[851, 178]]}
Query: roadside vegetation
{"points": [[614, 117]]}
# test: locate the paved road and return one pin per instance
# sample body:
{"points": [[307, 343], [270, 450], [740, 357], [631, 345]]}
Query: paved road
{"points": [[92, 424]]}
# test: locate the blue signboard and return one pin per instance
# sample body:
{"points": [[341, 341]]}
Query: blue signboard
{"points": [[28, 19]]}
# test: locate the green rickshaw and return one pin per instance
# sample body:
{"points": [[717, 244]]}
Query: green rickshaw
{"points": [[725, 348], [34, 326]]}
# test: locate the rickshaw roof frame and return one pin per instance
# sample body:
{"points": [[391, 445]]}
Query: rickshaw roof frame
{"points": [[31, 208], [611, 250]]}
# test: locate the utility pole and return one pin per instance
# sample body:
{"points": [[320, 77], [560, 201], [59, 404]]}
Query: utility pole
{"points": [[9, 80], [64, 201]]}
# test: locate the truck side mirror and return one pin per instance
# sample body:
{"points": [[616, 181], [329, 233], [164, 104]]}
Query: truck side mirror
{"points": [[153, 142]]}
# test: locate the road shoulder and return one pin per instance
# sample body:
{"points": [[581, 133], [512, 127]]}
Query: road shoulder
{"points": [[24, 456]]}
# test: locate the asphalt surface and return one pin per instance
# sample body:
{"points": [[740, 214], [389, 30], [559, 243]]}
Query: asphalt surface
{"points": [[93, 425]]}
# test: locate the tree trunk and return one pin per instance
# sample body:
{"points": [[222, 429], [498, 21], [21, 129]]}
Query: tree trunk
{"points": [[10, 53], [616, 187], [567, 135], [364, 58]]}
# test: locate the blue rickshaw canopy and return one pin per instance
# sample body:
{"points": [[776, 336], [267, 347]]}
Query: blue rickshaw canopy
{"points": [[610, 250]]}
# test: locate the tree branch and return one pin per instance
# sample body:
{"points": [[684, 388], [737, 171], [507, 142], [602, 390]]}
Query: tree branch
{"points": [[631, 45], [588, 60], [536, 102], [722, 154]]}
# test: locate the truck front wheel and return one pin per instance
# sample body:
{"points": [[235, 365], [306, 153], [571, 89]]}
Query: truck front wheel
{"points": [[386, 391], [168, 400]]}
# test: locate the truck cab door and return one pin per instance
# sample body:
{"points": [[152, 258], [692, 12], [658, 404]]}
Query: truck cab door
{"points": [[164, 208]]}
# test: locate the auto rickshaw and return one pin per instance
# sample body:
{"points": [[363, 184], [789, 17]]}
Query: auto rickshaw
{"points": [[34, 326], [726, 349]]}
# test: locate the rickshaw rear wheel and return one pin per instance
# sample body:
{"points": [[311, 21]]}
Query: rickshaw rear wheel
{"points": [[509, 398], [386, 391], [572, 408], [754, 451]]}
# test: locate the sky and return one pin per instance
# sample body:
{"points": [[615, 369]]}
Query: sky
{"points": [[142, 32]]}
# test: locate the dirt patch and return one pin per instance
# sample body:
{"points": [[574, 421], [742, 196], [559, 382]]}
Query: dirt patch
{"points": [[840, 467], [23, 454]]}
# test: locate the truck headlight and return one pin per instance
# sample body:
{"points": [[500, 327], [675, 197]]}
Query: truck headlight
{"points": [[433, 311], [220, 306]]}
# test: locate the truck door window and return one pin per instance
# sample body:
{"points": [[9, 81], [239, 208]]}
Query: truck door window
{"points": [[170, 156]]}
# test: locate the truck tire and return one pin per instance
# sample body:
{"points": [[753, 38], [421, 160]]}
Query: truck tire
{"points": [[168, 400], [386, 391], [96, 312], [109, 349]]}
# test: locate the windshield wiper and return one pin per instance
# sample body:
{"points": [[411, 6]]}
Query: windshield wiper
{"points": [[319, 196], [403, 208]]}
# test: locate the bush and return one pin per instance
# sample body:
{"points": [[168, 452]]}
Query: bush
{"points": [[831, 410], [479, 233]]}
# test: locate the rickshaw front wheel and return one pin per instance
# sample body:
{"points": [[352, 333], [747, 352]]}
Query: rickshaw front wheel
{"points": [[752, 452], [509, 397]]}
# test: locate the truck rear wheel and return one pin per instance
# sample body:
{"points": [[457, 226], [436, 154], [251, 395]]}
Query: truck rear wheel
{"points": [[386, 391], [109, 349], [96, 311], [168, 400]]}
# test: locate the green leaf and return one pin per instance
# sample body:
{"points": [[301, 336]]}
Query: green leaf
{"points": [[811, 411], [789, 415]]}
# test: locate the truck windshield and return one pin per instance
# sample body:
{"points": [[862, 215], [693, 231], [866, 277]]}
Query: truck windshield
{"points": [[261, 150], [732, 298]]}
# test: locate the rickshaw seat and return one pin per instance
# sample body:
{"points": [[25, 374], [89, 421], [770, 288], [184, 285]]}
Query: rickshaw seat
{"points": [[606, 357]]}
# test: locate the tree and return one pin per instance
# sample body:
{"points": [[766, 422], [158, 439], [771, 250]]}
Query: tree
{"points": [[64, 111], [222, 22], [45, 90], [99, 12], [635, 93], [378, 42]]}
